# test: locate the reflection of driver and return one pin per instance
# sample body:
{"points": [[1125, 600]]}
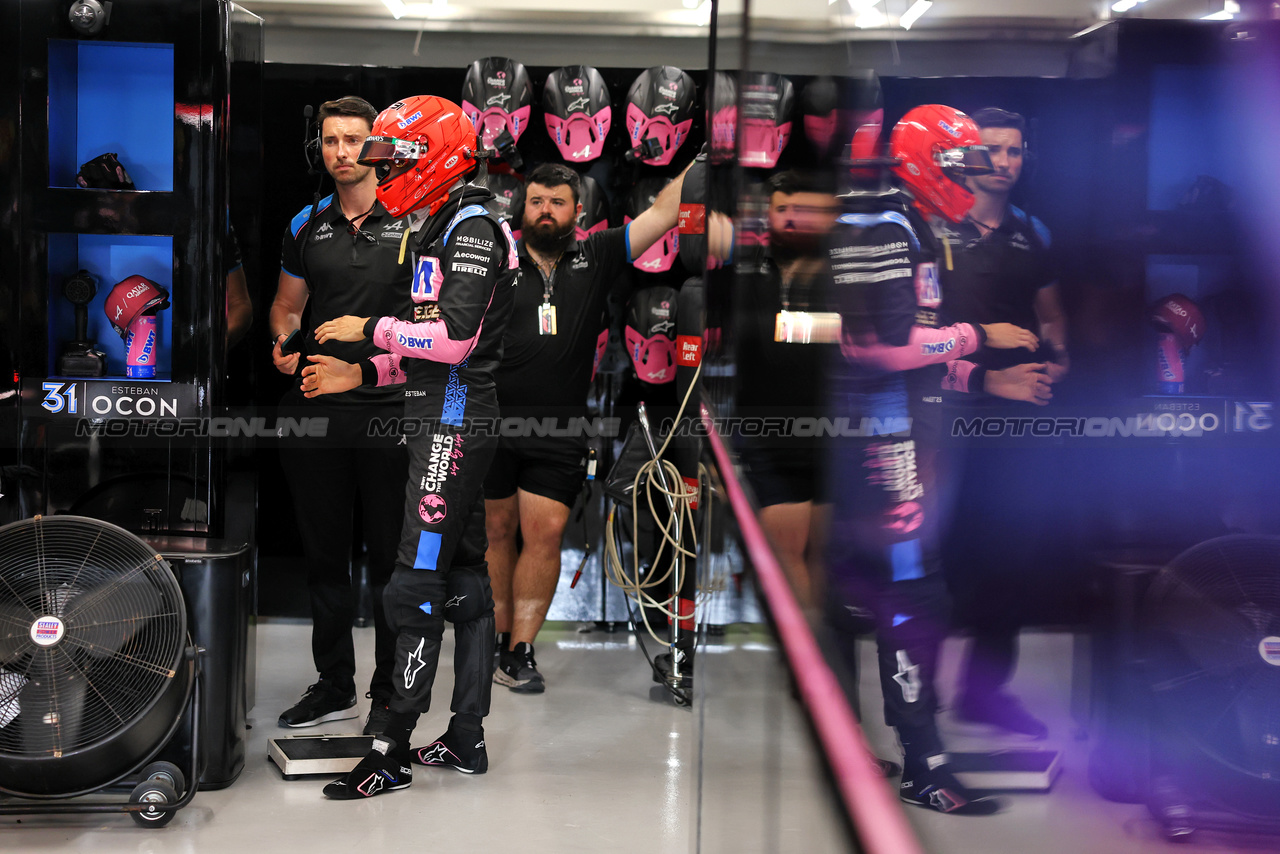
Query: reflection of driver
{"points": [[883, 550]]}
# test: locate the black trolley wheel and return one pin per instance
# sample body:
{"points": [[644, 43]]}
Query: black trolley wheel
{"points": [[156, 794]]}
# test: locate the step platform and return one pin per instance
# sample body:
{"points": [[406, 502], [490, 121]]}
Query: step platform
{"points": [[1007, 770], [312, 755]]}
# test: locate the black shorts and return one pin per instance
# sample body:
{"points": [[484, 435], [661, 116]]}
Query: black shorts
{"points": [[551, 466], [787, 475]]}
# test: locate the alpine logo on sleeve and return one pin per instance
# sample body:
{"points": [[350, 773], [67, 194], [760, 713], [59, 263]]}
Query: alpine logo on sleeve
{"points": [[928, 291], [427, 278]]}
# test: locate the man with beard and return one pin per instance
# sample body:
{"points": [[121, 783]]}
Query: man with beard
{"points": [[552, 346], [782, 370]]}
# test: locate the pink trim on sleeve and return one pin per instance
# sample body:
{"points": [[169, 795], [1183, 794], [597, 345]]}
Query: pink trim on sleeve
{"points": [[428, 340], [924, 347], [389, 370], [957, 378]]}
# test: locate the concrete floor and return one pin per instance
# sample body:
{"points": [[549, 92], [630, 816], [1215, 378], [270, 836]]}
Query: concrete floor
{"points": [[597, 763]]}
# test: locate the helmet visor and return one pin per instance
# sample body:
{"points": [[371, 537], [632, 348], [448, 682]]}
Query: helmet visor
{"points": [[965, 160], [379, 149]]}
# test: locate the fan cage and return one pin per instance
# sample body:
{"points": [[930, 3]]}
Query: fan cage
{"points": [[123, 624], [1207, 619]]}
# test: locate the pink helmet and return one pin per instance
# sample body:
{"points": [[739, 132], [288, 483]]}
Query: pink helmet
{"points": [[723, 118], [820, 102], [660, 107], [767, 100], [651, 334], [578, 112], [659, 257], [595, 210], [496, 96]]}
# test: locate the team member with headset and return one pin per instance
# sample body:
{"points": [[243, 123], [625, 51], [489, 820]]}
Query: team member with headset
{"points": [[340, 258], [443, 354]]}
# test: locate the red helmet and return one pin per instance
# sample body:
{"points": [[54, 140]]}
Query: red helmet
{"points": [[422, 146], [938, 147], [1176, 313]]}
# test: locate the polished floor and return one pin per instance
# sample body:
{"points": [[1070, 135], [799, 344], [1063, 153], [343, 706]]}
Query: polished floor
{"points": [[599, 763]]}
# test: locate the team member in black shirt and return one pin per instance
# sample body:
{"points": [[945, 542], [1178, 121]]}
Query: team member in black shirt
{"points": [[551, 349], [1001, 272], [780, 374], [341, 259]]}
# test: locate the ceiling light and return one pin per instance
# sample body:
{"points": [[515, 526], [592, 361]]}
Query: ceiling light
{"points": [[870, 18], [1123, 5], [397, 8], [1230, 8], [913, 14]]}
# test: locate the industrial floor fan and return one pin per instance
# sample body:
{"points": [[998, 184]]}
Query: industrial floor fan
{"points": [[1211, 623], [96, 671]]}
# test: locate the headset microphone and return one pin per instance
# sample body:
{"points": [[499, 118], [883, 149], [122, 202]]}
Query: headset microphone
{"points": [[311, 141]]}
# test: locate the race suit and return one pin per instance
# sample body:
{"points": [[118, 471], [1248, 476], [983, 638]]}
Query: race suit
{"points": [[895, 360], [464, 275]]}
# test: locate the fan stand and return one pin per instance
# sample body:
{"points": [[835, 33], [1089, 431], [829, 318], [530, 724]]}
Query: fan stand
{"points": [[149, 802]]}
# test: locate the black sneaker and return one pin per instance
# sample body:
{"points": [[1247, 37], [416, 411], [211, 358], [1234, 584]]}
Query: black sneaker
{"points": [[456, 749], [518, 671], [938, 789], [1001, 710], [378, 772], [322, 703], [379, 714]]}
